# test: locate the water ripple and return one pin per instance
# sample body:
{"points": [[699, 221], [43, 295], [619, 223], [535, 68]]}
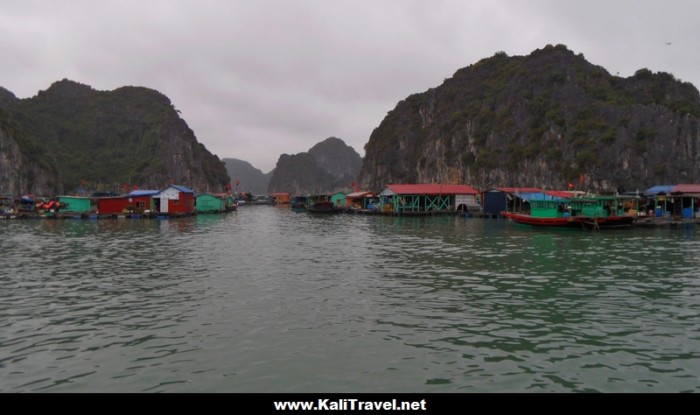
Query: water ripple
{"points": [[270, 300]]}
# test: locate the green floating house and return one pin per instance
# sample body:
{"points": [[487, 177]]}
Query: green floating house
{"points": [[209, 203], [339, 199], [75, 204], [422, 198], [214, 203]]}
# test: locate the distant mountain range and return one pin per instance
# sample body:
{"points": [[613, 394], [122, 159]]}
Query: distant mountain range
{"points": [[328, 166], [246, 178], [71, 138], [549, 119]]}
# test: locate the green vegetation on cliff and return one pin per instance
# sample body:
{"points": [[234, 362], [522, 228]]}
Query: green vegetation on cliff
{"points": [[545, 119], [131, 135]]}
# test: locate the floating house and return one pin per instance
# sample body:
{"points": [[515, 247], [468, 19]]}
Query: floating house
{"points": [[686, 199], [138, 201], [361, 200], [210, 203], [339, 199], [281, 198], [75, 205], [429, 198], [175, 201], [172, 201], [657, 202]]}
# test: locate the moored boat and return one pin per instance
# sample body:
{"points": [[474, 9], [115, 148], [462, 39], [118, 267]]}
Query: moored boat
{"points": [[591, 212], [299, 203], [324, 206]]}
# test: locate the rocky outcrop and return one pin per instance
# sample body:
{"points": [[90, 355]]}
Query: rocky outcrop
{"points": [[328, 166], [249, 178], [546, 120], [19, 174], [110, 140]]}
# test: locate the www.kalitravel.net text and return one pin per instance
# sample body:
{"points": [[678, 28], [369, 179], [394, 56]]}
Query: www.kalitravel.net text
{"points": [[350, 405]]}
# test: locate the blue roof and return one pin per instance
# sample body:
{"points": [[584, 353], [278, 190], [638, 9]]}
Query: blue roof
{"points": [[658, 189], [538, 196], [144, 192], [183, 189]]}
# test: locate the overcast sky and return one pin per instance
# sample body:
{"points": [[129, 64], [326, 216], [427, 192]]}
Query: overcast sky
{"points": [[258, 78]]}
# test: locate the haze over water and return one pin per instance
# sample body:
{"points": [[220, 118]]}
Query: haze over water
{"points": [[269, 300]]}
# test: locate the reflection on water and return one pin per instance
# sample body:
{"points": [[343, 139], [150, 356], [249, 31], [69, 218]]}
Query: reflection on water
{"points": [[270, 300]]}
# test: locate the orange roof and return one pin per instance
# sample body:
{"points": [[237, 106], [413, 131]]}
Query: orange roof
{"points": [[432, 189]]}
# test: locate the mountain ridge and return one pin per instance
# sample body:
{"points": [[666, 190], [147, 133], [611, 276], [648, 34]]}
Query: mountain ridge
{"points": [[75, 136], [546, 119], [328, 166]]}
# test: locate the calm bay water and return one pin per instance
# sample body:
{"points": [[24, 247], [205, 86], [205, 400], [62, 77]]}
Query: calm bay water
{"points": [[269, 300]]}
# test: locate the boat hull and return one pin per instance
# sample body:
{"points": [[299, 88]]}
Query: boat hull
{"points": [[323, 210], [572, 222], [323, 207]]}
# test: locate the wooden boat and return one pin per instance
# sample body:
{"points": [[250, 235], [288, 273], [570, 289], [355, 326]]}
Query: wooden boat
{"points": [[324, 206], [572, 222], [592, 212]]}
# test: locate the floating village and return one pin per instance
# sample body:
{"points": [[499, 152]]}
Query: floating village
{"points": [[666, 205]]}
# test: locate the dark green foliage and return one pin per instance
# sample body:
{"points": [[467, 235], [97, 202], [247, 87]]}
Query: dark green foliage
{"points": [[123, 136], [552, 107]]}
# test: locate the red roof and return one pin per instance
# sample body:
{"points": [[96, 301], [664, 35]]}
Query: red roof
{"points": [[559, 193], [432, 189], [686, 188], [519, 189]]}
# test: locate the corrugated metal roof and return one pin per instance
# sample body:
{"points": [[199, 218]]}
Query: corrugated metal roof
{"points": [[183, 189], [144, 192], [432, 189], [658, 189], [518, 189], [357, 195], [686, 188], [559, 193]]}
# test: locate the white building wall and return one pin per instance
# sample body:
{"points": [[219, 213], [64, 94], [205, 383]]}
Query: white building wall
{"points": [[170, 193]]}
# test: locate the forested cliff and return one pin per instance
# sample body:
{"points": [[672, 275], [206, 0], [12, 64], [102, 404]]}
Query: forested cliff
{"points": [[328, 166], [547, 119], [71, 136]]}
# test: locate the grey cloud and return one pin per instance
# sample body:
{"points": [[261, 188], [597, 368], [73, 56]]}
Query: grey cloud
{"points": [[258, 78]]}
